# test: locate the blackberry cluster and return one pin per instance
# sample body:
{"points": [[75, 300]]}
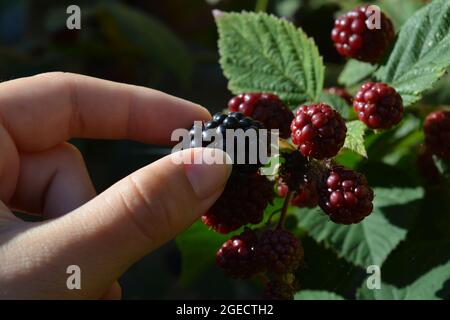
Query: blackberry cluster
{"points": [[378, 105], [345, 196], [318, 131], [354, 36], [242, 202], [341, 92], [266, 108], [217, 128], [437, 134], [238, 257]]}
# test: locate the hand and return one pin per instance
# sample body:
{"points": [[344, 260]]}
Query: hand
{"points": [[42, 174]]}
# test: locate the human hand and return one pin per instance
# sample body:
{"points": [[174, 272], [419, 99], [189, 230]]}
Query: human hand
{"points": [[42, 174]]}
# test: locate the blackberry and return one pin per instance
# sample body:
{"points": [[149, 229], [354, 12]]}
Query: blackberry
{"points": [[353, 38], [237, 256], [242, 202], [341, 92], [280, 251], [345, 196], [264, 107], [378, 105], [305, 197], [437, 134], [279, 290], [217, 128], [318, 131]]}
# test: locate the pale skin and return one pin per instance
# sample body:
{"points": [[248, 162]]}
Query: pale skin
{"points": [[42, 174]]}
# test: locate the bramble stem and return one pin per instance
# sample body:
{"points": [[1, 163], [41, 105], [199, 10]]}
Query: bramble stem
{"points": [[286, 203]]}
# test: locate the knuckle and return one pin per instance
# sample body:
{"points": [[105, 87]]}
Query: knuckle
{"points": [[148, 212]]}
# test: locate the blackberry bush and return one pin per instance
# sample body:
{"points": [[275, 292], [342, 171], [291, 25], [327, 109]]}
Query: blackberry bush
{"points": [[324, 200]]}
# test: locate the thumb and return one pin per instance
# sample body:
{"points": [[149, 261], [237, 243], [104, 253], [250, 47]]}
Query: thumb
{"points": [[135, 216]]}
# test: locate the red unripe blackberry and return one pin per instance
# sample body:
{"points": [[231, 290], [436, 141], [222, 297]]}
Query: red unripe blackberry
{"points": [[355, 34], [341, 92], [242, 202], [266, 108], [345, 195], [437, 133], [237, 256], [279, 290], [280, 251], [378, 105], [318, 131]]}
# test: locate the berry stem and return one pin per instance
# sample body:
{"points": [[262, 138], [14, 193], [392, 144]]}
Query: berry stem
{"points": [[286, 203]]}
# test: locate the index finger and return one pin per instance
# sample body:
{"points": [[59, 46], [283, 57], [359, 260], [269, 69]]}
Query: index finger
{"points": [[42, 111]]}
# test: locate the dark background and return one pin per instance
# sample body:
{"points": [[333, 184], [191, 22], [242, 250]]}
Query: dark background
{"points": [[167, 45]]}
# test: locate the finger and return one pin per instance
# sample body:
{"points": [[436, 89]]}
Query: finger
{"points": [[73, 105], [113, 293], [111, 232], [6, 215], [52, 182]]}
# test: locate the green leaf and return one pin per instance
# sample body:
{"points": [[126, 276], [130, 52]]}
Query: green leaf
{"points": [[198, 246], [355, 71], [148, 36], [370, 241], [262, 53], [317, 295], [400, 10], [355, 137], [424, 288], [421, 54], [338, 104]]}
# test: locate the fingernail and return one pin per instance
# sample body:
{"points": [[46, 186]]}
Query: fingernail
{"points": [[206, 177]]}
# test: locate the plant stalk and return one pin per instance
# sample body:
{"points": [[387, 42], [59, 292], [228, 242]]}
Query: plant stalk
{"points": [[286, 203]]}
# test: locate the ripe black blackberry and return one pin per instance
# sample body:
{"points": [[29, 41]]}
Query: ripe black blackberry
{"points": [[378, 105], [353, 38], [318, 131], [437, 133], [341, 92], [279, 251], [264, 107], [345, 196], [242, 202], [235, 120], [237, 256], [279, 290]]}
